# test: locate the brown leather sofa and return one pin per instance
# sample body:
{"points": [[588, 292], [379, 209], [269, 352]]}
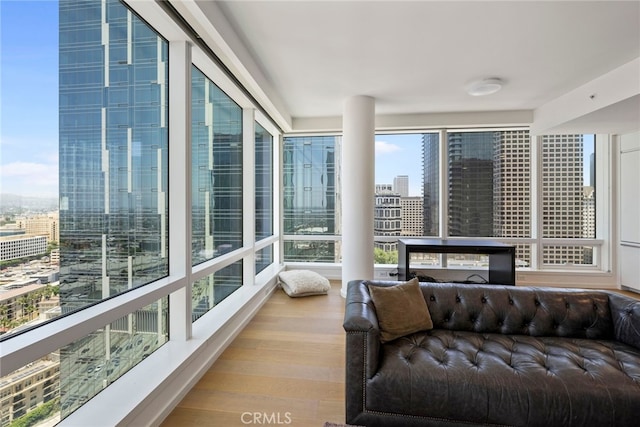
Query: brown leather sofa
{"points": [[497, 355]]}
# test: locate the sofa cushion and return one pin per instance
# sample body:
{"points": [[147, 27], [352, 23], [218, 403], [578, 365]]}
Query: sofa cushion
{"points": [[401, 309], [507, 379]]}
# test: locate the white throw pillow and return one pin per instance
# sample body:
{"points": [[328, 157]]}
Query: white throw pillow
{"points": [[302, 283]]}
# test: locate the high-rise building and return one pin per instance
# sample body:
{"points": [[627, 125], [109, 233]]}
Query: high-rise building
{"points": [[412, 221], [562, 197], [401, 185], [512, 188], [470, 175], [431, 183]]}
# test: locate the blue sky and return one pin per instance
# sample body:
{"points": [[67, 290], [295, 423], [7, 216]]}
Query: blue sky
{"points": [[29, 97], [400, 154]]}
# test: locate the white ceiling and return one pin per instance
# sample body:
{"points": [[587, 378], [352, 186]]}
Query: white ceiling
{"points": [[417, 57]]}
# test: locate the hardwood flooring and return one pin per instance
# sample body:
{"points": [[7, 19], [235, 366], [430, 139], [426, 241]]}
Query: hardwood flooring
{"points": [[285, 368]]}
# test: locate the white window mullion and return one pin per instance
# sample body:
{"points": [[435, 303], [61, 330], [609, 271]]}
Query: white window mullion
{"points": [[535, 201], [278, 185], [606, 150], [180, 186], [248, 190]]}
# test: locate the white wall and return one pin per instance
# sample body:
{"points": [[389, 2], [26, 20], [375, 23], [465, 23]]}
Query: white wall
{"points": [[629, 208]]}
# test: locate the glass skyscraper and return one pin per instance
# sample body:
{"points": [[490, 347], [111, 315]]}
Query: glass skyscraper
{"points": [[470, 183]]}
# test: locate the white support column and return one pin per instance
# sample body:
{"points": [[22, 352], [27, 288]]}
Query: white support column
{"points": [[358, 189]]}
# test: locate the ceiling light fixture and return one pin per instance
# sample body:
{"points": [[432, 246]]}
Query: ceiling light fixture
{"points": [[485, 87]]}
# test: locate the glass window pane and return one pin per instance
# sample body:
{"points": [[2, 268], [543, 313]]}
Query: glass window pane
{"points": [[568, 195], [568, 255], [54, 386], [311, 250], [309, 173], [489, 175], [89, 365], [310, 196], [406, 199], [207, 292], [113, 155], [216, 134], [264, 183], [264, 258]]}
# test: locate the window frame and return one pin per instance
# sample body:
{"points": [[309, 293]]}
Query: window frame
{"points": [[33, 344], [604, 221]]}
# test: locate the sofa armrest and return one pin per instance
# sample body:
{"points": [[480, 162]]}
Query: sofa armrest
{"points": [[625, 312], [361, 326], [362, 345]]}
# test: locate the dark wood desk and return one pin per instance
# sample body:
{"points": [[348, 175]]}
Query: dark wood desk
{"points": [[502, 257]]}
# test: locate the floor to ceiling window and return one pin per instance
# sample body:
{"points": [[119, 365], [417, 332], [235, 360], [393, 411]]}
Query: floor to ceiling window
{"points": [[117, 263]]}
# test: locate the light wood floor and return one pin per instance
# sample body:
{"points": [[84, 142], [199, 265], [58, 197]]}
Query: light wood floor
{"points": [[288, 363]]}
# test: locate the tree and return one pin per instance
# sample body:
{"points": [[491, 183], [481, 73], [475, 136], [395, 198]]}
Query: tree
{"points": [[23, 301], [4, 317], [382, 257]]}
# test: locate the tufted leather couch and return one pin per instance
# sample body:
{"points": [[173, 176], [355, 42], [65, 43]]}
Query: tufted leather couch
{"points": [[498, 355]]}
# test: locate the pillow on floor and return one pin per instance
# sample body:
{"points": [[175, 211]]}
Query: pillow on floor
{"points": [[302, 283], [401, 309]]}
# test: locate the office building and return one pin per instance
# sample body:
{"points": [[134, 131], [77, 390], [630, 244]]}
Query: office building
{"points": [[20, 246], [43, 225], [401, 185], [412, 220], [387, 216]]}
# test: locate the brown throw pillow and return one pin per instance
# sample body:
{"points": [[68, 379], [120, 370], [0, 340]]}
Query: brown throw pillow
{"points": [[401, 309]]}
